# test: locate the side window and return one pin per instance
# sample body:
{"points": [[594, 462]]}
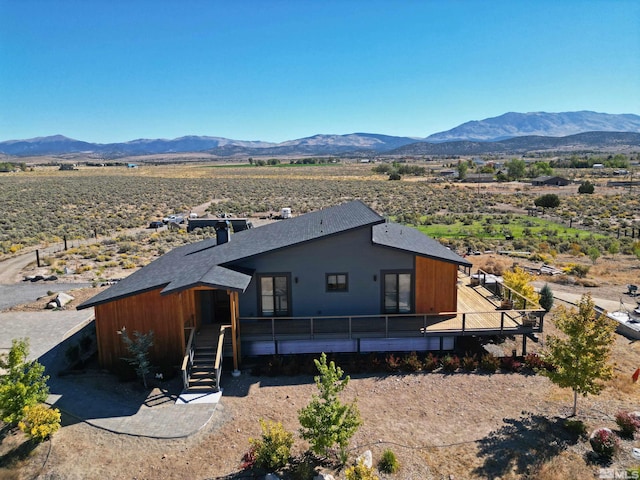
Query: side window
{"points": [[397, 292], [337, 282], [274, 295]]}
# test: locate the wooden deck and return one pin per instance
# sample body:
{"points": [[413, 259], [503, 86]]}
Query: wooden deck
{"points": [[478, 313]]}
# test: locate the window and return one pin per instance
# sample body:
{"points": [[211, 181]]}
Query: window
{"points": [[337, 282], [274, 296], [397, 292]]}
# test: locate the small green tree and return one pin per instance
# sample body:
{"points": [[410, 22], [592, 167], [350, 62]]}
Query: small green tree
{"points": [[22, 383], [326, 421], [580, 359], [594, 254], [138, 347], [614, 247], [546, 297]]}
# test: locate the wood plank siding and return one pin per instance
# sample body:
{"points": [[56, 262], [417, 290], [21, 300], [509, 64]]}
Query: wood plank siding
{"points": [[436, 286], [166, 315]]}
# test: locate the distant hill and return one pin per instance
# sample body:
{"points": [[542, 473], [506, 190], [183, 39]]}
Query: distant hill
{"points": [[543, 124], [536, 131], [315, 145], [587, 141]]}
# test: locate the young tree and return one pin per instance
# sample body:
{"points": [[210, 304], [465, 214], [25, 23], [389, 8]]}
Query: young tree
{"points": [[139, 349], [326, 421], [580, 358], [22, 383], [519, 281], [594, 254], [546, 297]]}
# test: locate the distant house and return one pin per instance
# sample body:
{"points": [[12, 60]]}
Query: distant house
{"points": [[341, 279], [132, 165], [479, 178], [545, 181]]}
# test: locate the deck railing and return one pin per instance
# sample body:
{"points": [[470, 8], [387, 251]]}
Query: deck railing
{"points": [[187, 361], [392, 326], [504, 293]]}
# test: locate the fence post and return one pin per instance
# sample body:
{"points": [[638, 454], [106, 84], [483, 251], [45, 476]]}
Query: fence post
{"points": [[38, 258]]}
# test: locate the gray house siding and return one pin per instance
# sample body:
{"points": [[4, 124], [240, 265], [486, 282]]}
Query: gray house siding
{"points": [[352, 253]]}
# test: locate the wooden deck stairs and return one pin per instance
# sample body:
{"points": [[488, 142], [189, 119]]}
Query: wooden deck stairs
{"points": [[203, 374]]}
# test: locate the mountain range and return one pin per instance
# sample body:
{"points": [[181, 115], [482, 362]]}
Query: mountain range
{"points": [[508, 133]]}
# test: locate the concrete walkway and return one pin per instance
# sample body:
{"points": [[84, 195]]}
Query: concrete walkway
{"points": [[155, 415], [144, 414]]}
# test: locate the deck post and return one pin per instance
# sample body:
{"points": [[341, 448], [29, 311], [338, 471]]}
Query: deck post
{"points": [[524, 345], [235, 334], [464, 322]]}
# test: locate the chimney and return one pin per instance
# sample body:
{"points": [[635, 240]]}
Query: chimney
{"points": [[222, 231]]}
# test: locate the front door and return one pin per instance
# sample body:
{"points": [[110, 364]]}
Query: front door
{"points": [[214, 307]]}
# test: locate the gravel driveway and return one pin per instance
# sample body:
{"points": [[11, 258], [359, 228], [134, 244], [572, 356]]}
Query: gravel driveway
{"points": [[27, 292]]}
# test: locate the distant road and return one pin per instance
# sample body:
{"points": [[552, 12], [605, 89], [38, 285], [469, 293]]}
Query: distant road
{"points": [[11, 267]]}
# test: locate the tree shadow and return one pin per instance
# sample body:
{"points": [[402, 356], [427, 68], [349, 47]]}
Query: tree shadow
{"points": [[20, 452], [523, 442]]}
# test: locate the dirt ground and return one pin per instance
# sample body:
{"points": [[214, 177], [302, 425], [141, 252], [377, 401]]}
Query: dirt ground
{"points": [[440, 426]]}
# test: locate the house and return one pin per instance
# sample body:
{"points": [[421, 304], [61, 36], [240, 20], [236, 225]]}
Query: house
{"points": [[479, 178], [342, 279], [549, 180]]}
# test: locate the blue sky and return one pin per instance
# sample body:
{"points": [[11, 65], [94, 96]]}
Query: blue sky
{"points": [[107, 71]]}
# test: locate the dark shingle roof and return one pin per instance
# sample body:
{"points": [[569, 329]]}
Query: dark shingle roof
{"points": [[401, 237], [204, 263]]}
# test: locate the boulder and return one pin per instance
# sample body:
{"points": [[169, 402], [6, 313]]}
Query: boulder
{"points": [[62, 299], [271, 476]]}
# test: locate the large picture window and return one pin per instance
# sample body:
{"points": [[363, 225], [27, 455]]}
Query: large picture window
{"points": [[274, 296], [397, 292], [337, 282]]}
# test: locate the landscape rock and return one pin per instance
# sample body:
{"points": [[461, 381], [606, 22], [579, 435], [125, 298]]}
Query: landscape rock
{"points": [[367, 459], [62, 299], [51, 305]]}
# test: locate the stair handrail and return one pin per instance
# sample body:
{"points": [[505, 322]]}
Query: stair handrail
{"points": [[187, 361], [217, 366]]}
